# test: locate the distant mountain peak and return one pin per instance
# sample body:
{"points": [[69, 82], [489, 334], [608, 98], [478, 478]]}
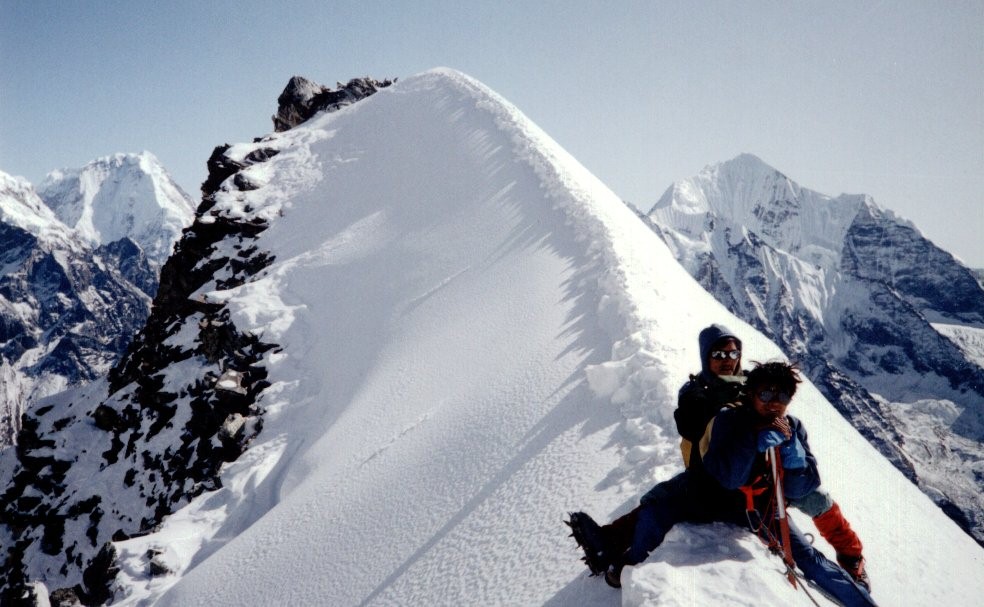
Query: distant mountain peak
{"points": [[746, 163], [24, 209], [121, 196], [748, 194]]}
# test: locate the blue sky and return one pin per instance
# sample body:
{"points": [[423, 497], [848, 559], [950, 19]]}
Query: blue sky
{"points": [[882, 98]]}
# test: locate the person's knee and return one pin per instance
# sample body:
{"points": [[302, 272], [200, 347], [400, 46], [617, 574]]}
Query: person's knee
{"points": [[814, 503]]}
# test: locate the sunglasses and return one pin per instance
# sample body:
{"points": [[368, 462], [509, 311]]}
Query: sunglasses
{"points": [[724, 354], [769, 396]]}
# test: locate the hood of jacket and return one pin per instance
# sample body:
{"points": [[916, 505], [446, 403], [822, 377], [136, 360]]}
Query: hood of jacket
{"points": [[708, 338]]}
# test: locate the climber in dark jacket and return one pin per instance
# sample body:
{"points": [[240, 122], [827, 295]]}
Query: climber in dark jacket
{"points": [[719, 384]]}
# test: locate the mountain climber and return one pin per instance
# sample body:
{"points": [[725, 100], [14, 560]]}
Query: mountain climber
{"points": [[709, 492], [719, 385]]}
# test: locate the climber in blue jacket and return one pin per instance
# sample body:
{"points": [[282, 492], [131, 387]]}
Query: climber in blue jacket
{"points": [[734, 466], [725, 488]]}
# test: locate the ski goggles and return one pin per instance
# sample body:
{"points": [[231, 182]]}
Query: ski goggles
{"points": [[774, 396], [725, 354]]}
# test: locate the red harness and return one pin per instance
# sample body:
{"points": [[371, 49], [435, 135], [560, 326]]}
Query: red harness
{"points": [[775, 511]]}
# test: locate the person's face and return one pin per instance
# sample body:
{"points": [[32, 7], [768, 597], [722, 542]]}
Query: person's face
{"points": [[724, 364], [770, 402]]}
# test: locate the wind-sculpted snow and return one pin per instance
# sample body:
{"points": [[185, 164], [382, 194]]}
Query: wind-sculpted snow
{"points": [[857, 295], [471, 336]]}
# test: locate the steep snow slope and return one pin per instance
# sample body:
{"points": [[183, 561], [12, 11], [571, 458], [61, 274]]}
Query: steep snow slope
{"points": [[124, 195], [970, 340], [473, 337], [429, 422]]}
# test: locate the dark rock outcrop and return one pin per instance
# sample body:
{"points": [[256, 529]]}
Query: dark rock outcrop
{"points": [[302, 99]]}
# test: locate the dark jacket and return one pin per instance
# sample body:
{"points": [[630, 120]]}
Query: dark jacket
{"points": [[700, 399], [732, 457]]}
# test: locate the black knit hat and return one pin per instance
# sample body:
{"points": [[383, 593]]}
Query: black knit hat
{"points": [[710, 337]]}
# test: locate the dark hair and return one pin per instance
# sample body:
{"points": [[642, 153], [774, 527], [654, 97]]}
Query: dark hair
{"points": [[783, 376]]}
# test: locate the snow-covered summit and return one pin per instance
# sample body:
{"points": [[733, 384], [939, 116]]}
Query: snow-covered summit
{"points": [[121, 196], [71, 296], [435, 333], [753, 196]]}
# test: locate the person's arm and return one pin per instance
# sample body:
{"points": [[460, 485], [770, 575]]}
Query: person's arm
{"points": [[696, 406], [801, 475]]}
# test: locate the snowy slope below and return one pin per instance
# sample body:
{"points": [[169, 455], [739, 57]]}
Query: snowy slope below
{"points": [[475, 337]]}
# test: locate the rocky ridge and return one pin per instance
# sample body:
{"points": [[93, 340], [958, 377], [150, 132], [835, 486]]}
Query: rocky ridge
{"points": [[158, 429], [301, 99]]}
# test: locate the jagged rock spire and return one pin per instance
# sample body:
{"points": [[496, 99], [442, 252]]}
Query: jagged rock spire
{"points": [[302, 98]]}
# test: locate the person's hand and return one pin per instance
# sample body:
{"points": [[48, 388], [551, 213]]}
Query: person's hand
{"points": [[781, 424], [793, 454], [769, 437]]}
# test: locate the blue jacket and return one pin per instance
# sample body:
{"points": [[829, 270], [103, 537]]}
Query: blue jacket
{"points": [[731, 456]]}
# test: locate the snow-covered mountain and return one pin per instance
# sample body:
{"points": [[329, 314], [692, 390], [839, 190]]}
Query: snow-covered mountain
{"points": [[121, 196], [71, 297], [888, 325], [24, 210], [399, 343]]}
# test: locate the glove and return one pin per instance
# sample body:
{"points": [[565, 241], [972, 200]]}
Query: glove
{"points": [[793, 454], [769, 438]]}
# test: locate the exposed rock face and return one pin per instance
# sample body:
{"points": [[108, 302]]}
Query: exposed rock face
{"points": [[880, 249], [302, 99], [157, 439], [110, 461], [67, 309], [72, 297], [870, 309]]}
